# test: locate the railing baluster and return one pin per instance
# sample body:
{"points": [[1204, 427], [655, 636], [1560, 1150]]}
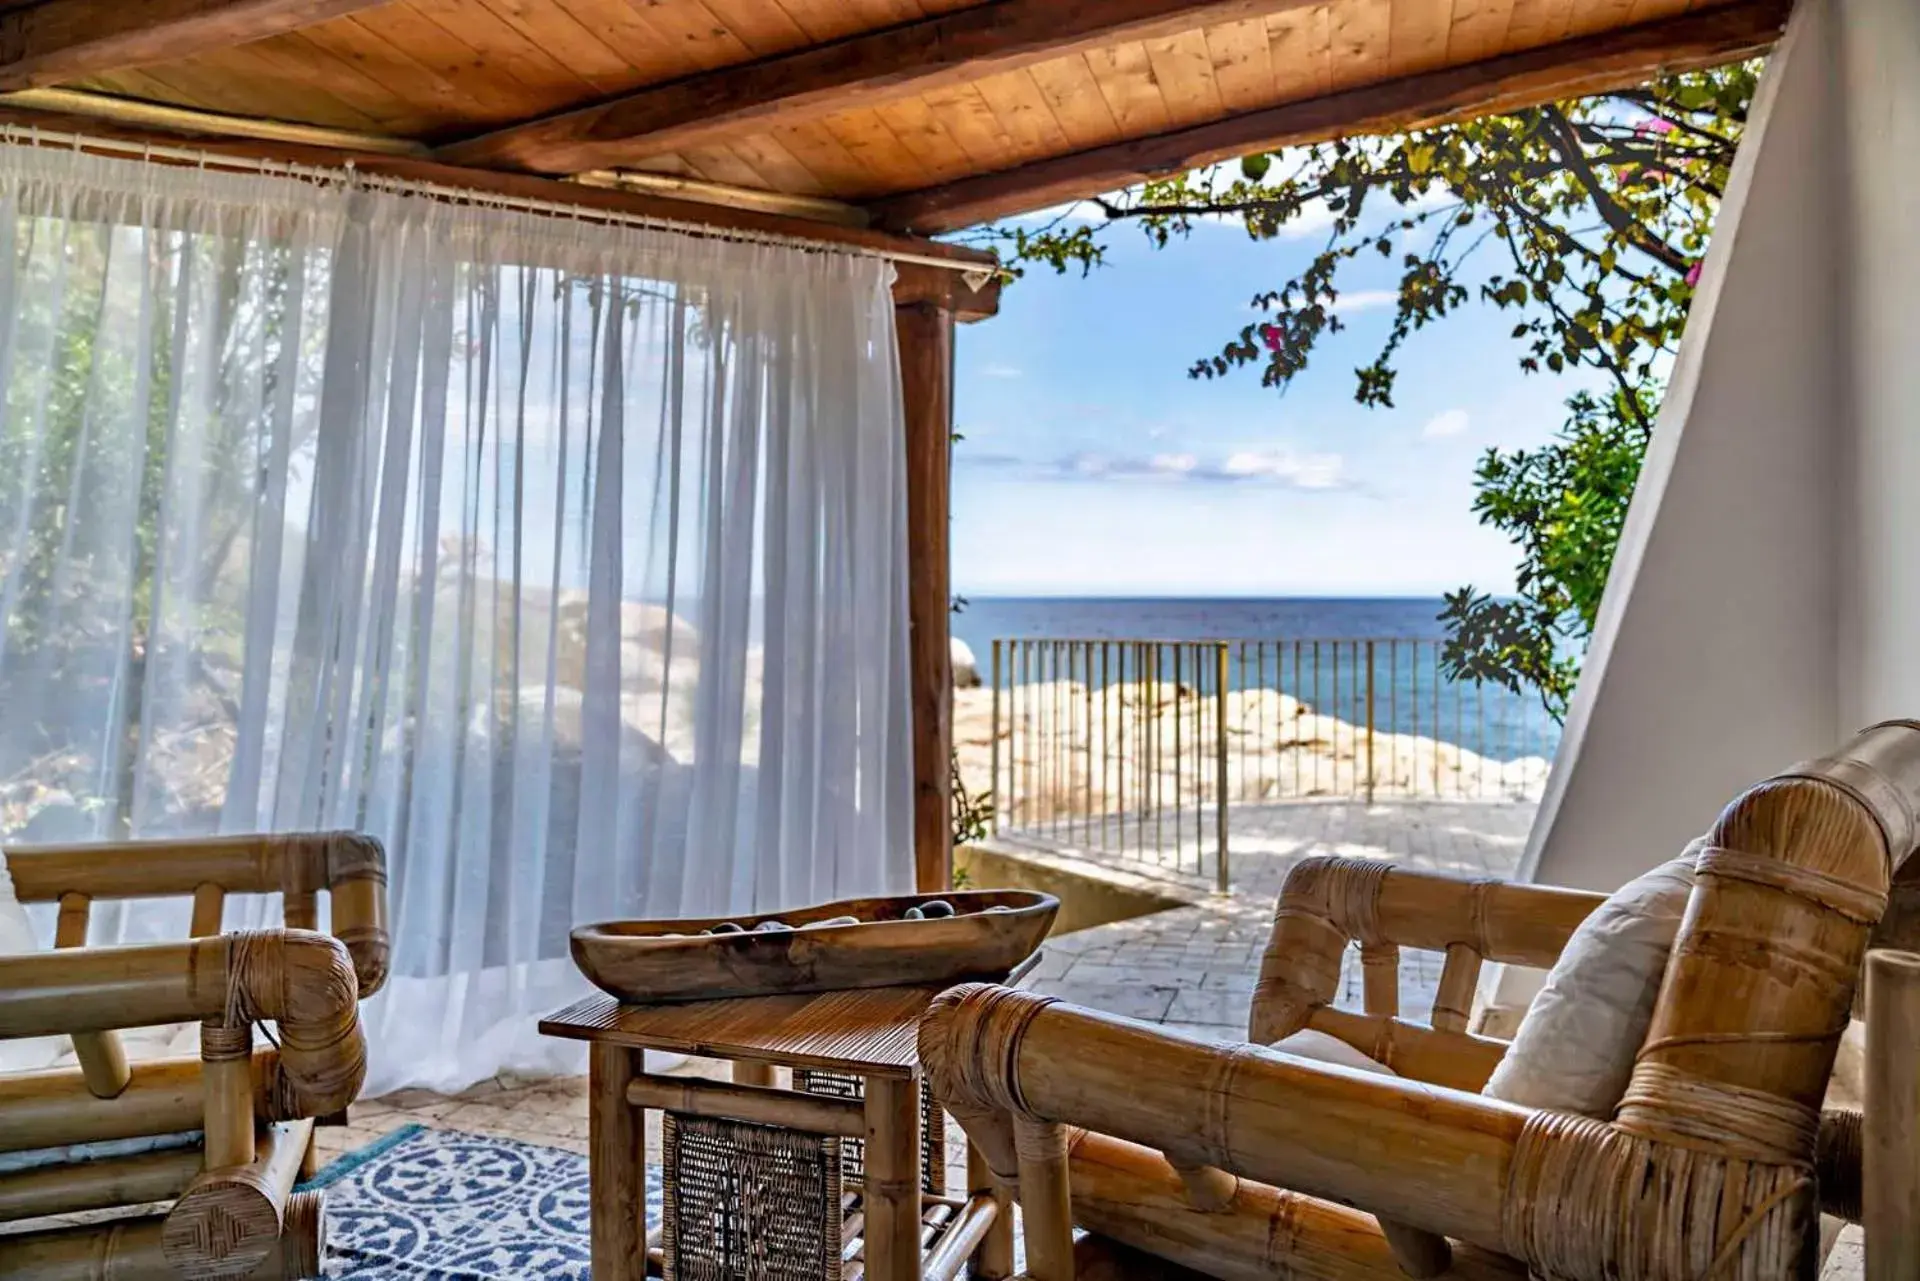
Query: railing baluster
{"points": [[1102, 744]]}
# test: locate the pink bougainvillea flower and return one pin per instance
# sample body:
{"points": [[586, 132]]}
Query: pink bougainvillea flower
{"points": [[1654, 125], [1271, 336], [1693, 272]]}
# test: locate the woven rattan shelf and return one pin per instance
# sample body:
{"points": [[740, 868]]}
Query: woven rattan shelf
{"points": [[836, 1179]]}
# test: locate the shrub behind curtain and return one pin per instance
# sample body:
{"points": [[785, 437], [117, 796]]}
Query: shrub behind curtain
{"points": [[567, 559]]}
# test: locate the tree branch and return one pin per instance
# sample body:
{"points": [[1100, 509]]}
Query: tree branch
{"points": [[1561, 137]]}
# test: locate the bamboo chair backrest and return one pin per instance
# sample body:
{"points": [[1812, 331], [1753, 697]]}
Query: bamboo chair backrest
{"points": [[1332, 901], [351, 868]]}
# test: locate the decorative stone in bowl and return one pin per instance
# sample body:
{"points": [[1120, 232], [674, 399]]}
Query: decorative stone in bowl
{"points": [[873, 942]]}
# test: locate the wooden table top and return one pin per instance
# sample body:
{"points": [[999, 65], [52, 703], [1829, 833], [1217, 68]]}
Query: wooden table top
{"points": [[865, 1031]]}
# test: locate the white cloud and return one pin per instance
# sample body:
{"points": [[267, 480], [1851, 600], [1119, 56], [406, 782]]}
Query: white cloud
{"points": [[1451, 423], [999, 371], [1302, 471], [1363, 300], [1282, 467]]}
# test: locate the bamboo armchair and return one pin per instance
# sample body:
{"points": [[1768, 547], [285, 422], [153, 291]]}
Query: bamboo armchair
{"points": [[236, 1213], [1714, 1167]]}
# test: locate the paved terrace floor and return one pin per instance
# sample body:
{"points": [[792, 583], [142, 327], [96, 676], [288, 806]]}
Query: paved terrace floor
{"points": [[1193, 967]]}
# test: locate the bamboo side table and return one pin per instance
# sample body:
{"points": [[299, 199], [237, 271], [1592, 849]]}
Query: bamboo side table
{"points": [[869, 1033]]}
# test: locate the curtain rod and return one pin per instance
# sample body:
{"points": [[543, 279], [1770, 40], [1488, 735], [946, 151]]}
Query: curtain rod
{"points": [[975, 274]]}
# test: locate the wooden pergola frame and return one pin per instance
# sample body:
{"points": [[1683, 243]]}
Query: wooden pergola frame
{"points": [[47, 43]]}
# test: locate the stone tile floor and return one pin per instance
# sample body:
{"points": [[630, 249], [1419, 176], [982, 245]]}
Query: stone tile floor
{"points": [[1193, 967]]}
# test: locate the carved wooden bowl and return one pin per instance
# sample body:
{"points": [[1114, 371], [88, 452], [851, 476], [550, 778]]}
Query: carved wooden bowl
{"points": [[647, 962]]}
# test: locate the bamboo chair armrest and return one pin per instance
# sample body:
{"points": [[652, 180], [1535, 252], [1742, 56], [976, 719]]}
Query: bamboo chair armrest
{"points": [[303, 981], [1245, 1109], [349, 866]]}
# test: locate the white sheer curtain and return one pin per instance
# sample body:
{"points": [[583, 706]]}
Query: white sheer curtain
{"points": [[566, 558]]}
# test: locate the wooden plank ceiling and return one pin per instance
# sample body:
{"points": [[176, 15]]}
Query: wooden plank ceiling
{"points": [[928, 114]]}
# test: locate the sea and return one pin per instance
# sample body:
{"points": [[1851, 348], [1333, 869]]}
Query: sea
{"points": [[1410, 695]]}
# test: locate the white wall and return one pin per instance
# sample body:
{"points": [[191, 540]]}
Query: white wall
{"points": [[1879, 69], [1715, 658]]}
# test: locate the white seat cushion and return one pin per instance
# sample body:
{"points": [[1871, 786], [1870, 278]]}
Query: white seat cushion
{"points": [[1575, 1049], [1308, 1043]]}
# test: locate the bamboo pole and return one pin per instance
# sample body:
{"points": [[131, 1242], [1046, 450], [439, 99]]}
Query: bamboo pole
{"points": [[1457, 1060], [226, 1079], [163, 1096], [1433, 1158], [1453, 1000], [305, 982], [962, 1239], [1891, 1160], [616, 1170], [1131, 1195], [756, 1104], [891, 1191], [1380, 979], [1795, 872], [98, 1184], [993, 1259], [103, 1059], [1208, 1187], [1045, 1198], [232, 1218], [209, 909], [132, 1250], [351, 867]]}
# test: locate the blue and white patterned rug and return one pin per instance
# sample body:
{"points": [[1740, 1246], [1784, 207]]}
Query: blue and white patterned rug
{"points": [[439, 1205]]}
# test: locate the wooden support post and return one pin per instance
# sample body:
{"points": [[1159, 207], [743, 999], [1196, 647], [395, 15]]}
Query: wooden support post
{"points": [[1045, 1204], [993, 1260], [102, 1057], [892, 1181], [616, 1168], [924, 329], [1891, 1161]]}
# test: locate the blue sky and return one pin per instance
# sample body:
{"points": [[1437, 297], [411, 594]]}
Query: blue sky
{"points": [[1092, 465]]}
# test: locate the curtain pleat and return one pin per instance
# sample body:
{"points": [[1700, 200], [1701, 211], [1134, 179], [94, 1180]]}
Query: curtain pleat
{"points": [[567, 559]]}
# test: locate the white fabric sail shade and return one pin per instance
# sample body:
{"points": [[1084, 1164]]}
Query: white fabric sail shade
{"points": [[566, 558]]}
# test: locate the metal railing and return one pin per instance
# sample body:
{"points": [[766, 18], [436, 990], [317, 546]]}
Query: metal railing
{"points": [[1141, 749]]}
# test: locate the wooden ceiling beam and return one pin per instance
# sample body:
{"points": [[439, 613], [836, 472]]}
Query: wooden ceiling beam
{"points": [[55, 40], [859, 71], [1569, 69]]}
